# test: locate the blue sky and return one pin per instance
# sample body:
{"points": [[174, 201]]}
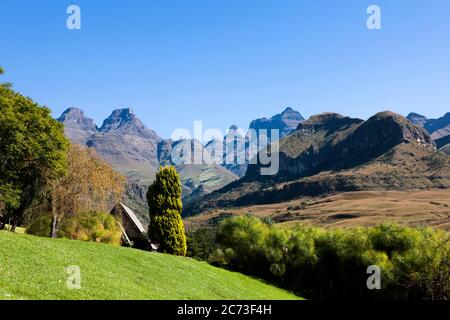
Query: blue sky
{"points": [[228, 61]]}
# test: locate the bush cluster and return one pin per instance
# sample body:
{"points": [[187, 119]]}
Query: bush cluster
{"points": [[86, 226], [332, 264], [201, 243]]}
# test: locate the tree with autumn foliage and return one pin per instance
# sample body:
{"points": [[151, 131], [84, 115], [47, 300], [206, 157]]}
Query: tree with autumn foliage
{"points": [[89, 185]]}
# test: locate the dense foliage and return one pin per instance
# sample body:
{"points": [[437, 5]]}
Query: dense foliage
{"points": [[86, 226], [89, 185], [164, 200], [201, 243], [324, 264], [32, 151]]}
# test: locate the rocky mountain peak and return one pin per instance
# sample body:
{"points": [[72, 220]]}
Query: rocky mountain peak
{"points": [[71, 112], [327, 121], [119, 118], [77, 116], [77, 126], [389, 129], [438, 128], [125, 121], [416, 118], [286, 122]]}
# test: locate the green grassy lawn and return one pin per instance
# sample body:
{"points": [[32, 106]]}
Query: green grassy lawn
{"points": [[18, 229], [35, 268]]}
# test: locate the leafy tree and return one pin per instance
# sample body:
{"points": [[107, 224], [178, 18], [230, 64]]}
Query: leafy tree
{"points": [[201, 243], [164, 201], [89, 185], [33, 150]]}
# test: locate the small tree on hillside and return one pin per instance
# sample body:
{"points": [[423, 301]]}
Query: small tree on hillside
{"points": [[164, 201], [89, 185]]}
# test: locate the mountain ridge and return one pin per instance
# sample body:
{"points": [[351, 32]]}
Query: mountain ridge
{"points": [[438, 128], [385, 152]]}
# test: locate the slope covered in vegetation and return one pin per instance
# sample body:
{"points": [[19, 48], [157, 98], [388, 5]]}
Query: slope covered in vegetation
{"points": [[35, 268]]}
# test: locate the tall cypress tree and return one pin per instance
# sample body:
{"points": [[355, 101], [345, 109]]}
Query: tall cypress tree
{"points": [[164, 201]]}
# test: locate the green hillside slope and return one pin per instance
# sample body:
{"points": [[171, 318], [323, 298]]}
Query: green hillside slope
{"points": [[35, 268]]}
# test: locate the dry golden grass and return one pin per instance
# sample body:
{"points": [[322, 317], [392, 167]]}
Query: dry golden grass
{"points": [[365, 208]]}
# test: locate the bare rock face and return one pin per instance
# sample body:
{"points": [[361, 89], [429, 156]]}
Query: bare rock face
{"points": [[230, 152], [286, 122], [437, 128], [137, 152], [443, 144], [330, 153], [197, 179], [234, 147], [76, 126], [380, 133], [417, 119], [127, 144], [332, 142]]}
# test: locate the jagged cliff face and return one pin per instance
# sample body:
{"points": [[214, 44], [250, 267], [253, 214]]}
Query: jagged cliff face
{"points": [[443, 144], [76, 126], [417, 119], [234, 155], [329, 153], [230, 152], [196, 179], [137, 152], [437, 128], [127, 144], [376, 136], [332, 142], [123, 141], [286, 122]]}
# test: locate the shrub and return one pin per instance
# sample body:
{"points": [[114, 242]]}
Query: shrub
{"points": [[332, 264], [164, 200], [246, 235], [201, 243], [40, 226], [92, 226], [86, 226]]}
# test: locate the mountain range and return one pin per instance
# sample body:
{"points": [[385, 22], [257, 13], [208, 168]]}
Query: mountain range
{"points": [[137, 152], [325, 153], [437, 128], [330, 153]]}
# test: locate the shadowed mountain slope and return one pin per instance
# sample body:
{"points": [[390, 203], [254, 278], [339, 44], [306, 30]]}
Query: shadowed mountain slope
{"points": [[437, 128], [330, 153]]}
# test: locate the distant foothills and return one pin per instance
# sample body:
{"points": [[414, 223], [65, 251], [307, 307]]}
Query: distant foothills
{"points": [[324, 154]]}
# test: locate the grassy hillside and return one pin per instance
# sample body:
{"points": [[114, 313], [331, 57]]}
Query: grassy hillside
{"points": [[348, 209], [34, 268], [406, 167]]}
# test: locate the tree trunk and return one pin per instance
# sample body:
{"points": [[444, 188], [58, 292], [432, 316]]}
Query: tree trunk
{"points": [[53, 227], [13, 225]]}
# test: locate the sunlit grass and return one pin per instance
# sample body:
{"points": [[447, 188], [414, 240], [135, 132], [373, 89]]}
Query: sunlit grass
{"points": [[35, 268]]}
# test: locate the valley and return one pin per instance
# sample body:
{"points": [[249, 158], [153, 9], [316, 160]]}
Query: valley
{"points": [[348, 209], [335, 171]]}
